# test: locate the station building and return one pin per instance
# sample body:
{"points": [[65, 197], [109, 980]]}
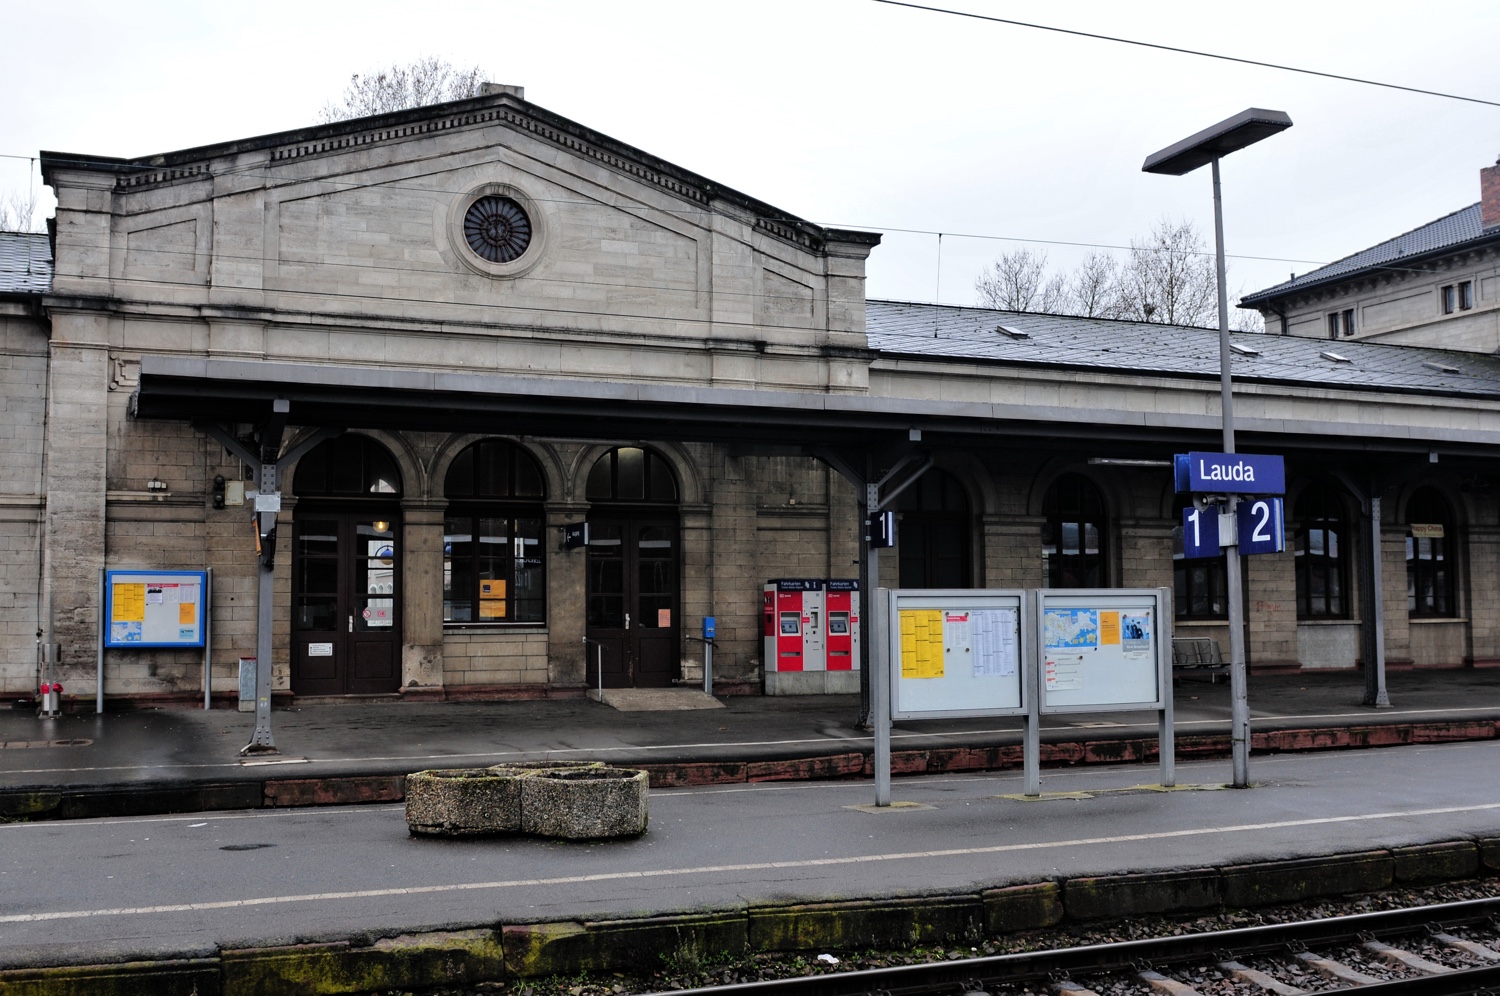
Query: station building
{"points": [[473, 325]]}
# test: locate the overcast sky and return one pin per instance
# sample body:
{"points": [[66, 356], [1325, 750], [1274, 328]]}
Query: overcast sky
{"points": [[850, 112]]}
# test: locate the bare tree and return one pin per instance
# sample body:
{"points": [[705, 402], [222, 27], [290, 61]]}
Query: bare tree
{"points": [[18, 211], [1018, 281], [1169, 278], [1094, 291], [428, 80]]}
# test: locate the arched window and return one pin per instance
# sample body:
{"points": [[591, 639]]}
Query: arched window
{"points": [[1322, 555], [493, 570], [631, 474], [934, 533], [347, 466], [1073, 537], [1429, 556], [1200, 584]]}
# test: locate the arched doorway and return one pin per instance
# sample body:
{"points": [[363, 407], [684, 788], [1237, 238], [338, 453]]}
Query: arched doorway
{"points": [[634, 567], [934, 533], [1074, 535], [346, 588]]}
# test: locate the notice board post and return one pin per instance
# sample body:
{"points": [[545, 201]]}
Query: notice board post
{"points": [[946, 654], [1105, 650], [161, 610]]}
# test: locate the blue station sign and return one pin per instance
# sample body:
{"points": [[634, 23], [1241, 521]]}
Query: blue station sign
{"points": [[1229, 473]]}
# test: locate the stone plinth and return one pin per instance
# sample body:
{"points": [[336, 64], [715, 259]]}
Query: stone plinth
{"points": [[585, 803], [463, 802], [571, 800]]}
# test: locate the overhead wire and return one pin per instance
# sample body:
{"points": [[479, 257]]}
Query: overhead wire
{"points": [[1187, 51]]}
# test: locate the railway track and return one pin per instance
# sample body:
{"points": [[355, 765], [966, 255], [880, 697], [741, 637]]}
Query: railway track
{"points": [[1452, 948]]}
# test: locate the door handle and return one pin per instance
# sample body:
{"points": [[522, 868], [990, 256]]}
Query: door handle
{"points": [[351, 622], [627, 620]]}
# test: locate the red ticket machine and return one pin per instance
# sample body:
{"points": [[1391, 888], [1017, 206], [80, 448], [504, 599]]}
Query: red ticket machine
{"points": [[792, 624], [843, 624]]}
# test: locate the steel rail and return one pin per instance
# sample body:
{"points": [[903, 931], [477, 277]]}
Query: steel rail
{"points": [[967, 974]]}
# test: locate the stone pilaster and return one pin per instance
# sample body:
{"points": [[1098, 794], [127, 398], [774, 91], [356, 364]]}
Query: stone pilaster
{"points": [[567, 585], [422, 592], [77, 437]]}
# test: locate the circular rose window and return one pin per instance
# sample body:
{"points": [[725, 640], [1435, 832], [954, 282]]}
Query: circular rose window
{"points": [[497, 229]]}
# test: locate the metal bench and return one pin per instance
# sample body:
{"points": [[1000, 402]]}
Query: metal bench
{"points": [[1199, 654]]}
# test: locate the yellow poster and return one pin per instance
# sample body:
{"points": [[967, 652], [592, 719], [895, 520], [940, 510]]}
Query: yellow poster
{"points": [[187, 614], [130, 603], [492, 599], [921, 643], [1109, 629]]}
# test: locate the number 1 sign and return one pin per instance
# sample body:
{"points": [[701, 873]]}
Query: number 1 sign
{"points": [[1200, 532]]}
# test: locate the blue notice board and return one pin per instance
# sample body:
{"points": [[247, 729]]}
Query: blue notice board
{"points": [[155, 608]]}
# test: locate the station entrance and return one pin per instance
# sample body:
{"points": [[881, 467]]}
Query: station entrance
{"points": [[346, 570], [633, 601]]}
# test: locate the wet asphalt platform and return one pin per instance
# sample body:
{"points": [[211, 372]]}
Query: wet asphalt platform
{"points": [[182, 759], [762, 833]]}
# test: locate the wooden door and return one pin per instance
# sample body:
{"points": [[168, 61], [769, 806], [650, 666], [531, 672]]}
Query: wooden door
{"points": [[346, 619], [633, 602]]}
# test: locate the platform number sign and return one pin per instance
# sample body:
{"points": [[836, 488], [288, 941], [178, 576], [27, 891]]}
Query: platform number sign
{"points": [[1200, 532], [1260, 526]]}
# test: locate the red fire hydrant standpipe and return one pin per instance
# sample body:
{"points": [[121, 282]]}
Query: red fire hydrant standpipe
{"points": [[50, 699]]}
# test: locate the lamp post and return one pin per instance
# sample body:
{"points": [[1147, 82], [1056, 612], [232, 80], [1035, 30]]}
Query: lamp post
{"points": [[1208, 147]]}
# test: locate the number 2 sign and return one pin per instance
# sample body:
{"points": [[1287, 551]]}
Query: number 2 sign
{"points": [[1260, 526]]}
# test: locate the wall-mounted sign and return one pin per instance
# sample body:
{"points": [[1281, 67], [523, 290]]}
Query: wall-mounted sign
{"points": [[1229, 473], [575, 534], [1426, 530]]}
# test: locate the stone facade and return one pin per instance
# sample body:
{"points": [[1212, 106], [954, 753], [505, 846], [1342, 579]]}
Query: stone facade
{"points": [[1436, 286], [339, 252]]}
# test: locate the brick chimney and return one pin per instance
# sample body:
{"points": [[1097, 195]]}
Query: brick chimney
{"points": [[1489, 195]]}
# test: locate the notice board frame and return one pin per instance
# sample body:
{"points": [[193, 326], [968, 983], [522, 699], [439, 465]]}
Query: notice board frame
{"points": [[1158, 666], [929, 698], [148, 576]]}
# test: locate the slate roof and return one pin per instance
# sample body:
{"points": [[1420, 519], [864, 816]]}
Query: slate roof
{"points": [[940, 332], [25, 263], [1446, 233]]}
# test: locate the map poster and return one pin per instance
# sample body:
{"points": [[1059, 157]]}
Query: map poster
{"points": [[1071, 629]]}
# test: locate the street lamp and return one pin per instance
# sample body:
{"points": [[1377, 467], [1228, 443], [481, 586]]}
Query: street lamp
{"points": [[1208, 147]]}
